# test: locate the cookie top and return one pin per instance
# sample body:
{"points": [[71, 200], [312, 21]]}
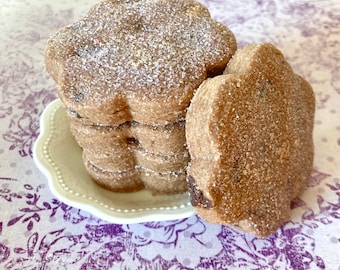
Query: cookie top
{"points": [[249, 134], [139, 60]]}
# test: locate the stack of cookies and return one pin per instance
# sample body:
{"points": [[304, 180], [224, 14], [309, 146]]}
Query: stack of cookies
{"points": [[126, 74], [131, 156]]}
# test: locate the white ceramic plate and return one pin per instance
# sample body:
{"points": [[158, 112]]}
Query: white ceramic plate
{"points": [[58, 156]]}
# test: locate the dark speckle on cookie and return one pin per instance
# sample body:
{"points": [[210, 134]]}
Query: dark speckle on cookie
{"points": [[196, 195]]}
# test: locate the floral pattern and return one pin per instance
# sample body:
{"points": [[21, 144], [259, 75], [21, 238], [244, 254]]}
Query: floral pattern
{"points": [[24, 130], [37, 231], [103, 246], [166, 236]]}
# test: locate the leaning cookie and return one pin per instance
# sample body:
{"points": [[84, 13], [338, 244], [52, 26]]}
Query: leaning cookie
{"points": [[249, 134]]}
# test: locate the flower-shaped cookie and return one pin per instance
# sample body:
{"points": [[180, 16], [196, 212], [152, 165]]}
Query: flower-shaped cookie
{"points": [[249, 134], [137, 60]]}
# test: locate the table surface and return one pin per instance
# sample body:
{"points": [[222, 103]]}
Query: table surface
{"points": [[37, 231]]}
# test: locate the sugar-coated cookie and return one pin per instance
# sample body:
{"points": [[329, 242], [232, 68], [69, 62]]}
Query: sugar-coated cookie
{"points": [[249, 134], [137, 60]]}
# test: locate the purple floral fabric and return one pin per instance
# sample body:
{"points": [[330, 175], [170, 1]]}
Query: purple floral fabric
{"points": [[37, 231]]}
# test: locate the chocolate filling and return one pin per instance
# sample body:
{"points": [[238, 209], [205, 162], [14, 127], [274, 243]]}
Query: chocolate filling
{"points": [[196, 195]]}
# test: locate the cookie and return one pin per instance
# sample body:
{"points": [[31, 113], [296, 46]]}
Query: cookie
{"points": [[159, 140], [124, 181], [137, 60], [249, 134], [138, 159], [137, 179]]}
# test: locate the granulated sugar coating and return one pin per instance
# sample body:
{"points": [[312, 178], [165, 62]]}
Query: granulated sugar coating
{"points": [[249, 134], [137, 60]]}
